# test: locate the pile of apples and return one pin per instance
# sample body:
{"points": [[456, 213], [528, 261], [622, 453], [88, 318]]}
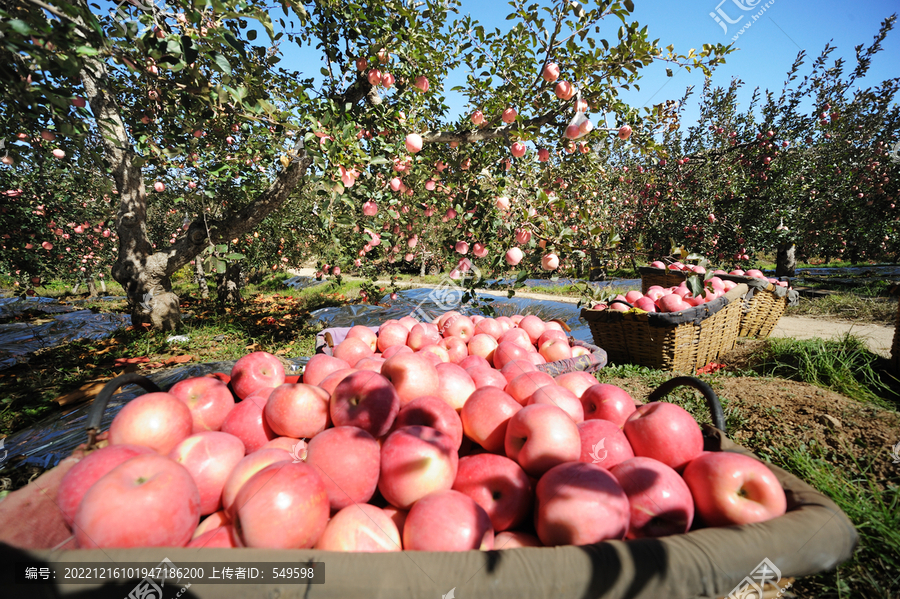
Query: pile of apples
{"points": [[668, 299], [699, 270], [440, 436]]}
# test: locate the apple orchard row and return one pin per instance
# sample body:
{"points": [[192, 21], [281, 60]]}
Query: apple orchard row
{"points": [[440, 436]]}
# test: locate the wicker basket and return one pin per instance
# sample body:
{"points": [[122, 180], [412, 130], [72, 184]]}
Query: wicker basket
{"points": [[764, 305], [660, 276], [682, 341]]}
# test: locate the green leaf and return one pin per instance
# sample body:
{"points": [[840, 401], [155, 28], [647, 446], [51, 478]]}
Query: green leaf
{"points": [[221, 62], [694, 285], [233, 256], [222, 248], [251, 35], [87, 51], [20, 27], [629, 5]]}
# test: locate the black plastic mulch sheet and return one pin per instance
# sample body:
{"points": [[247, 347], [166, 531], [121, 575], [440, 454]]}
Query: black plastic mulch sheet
{"points": [[20, 339], [54, 438]]}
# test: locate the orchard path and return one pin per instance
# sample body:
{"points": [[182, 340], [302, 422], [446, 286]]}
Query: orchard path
{"points": [[879, 338]]}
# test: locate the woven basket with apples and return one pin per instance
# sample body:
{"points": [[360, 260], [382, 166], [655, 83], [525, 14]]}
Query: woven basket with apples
{"points": [[501, 479]]}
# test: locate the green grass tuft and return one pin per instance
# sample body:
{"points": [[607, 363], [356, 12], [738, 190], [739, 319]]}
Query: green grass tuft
{"points": [[844, 365]]}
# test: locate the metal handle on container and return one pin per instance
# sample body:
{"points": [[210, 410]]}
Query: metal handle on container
{"points": [[712, 400], [95, 416]]}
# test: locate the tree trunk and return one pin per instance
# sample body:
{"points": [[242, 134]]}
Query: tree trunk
{"points": [[92, 288], [786, 260], [598, 272], [103, 285], [200, 278], [75, 288], [229, 284]]}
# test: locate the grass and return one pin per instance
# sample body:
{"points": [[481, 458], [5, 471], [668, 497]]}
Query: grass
{"points": [[844, 365], [874, 570], [857, 306]]}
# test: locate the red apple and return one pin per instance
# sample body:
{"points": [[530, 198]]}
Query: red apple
{"points": [[208, 399], [372, 364], [297, 411], [456, 348], [396, 349], [397, 516], [364, 333], [159, 421], [352, 350], [487, 377], [489, 326], [523, 386], [474, 360], [447, 521], [603, 443], [607, 402], [147, 501], [548, 334], [486, 415], [580, 504], [361, 528], [247, 467], [434, 354], [430, 410], [731, 488], [540, 437], [498, 485], [391, 334], [211, 522], [348, 460], [209, 457], [248, 423], [458, 326], [507, 352], [416, 461], [89, 470], [533, 326], [283, 506], [289, 444], [519, 337], [577, 382], [665, 432], [661, 502], [513, 539], [367, 400], [454, 385], [320, 366], [423, 334], [412, 376], [560, 397], [223, 537], [330, 382], [517, 367], [254, 371], [556, 349]]}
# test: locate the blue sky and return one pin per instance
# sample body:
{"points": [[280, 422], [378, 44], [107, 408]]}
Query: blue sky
{"points": [[766, 49]]}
